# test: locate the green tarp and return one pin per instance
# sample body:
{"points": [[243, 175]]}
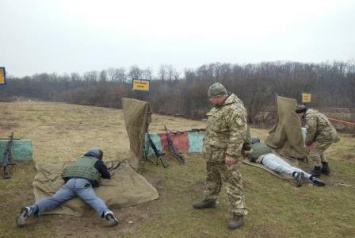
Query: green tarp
{"points": [[21, 149]]}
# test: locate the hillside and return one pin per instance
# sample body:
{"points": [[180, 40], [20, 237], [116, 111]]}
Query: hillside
{"points": [[61, 132]]}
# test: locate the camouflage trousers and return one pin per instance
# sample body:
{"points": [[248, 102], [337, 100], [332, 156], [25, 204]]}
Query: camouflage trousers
{"points": [[316, 151], [217, 174]]}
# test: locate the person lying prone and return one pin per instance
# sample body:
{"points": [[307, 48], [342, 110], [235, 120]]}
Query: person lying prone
{"points": [[262, 154]]}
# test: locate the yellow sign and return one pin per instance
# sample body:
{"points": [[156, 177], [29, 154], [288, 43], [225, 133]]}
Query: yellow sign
{"points": [[141, 84], [2, 75], [306, 97]]}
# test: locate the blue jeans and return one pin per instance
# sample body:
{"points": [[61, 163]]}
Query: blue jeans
{"points": [[277, 164], [75, 187]]}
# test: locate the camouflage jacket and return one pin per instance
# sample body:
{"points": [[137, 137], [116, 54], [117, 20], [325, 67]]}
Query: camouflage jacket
{"points": [[227, 127], [318, 128]]}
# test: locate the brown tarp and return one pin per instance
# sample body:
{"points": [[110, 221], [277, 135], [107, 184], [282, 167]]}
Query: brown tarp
{"points": [[137, 116], [279, 175], [285, 138], [125, 189]]}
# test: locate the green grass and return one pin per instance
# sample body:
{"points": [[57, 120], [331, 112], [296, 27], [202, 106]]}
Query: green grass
{"points": [[276, 207], [15, 193]]}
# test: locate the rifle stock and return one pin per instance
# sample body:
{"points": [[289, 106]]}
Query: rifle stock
{"points": [[157, 152], [176, 154], [7, 159]]}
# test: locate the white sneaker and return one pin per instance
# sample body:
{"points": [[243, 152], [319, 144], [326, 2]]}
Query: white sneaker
{"points": [[25, 213], [112, 220]]}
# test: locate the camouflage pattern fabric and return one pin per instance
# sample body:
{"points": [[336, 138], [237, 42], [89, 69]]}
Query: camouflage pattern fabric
{"points": [[315, 153], [226, 128], [320, 134], [219, 173], [225, 133], [318, 128], [216, 89]]}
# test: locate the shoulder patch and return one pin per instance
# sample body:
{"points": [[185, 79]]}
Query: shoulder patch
{"points": [[239, 121]]}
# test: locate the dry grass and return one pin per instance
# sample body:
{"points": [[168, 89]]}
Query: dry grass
{"points": [[61, 132]]}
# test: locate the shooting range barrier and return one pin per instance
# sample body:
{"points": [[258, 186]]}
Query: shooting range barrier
{"points": [[21, 149], [184, 141]]}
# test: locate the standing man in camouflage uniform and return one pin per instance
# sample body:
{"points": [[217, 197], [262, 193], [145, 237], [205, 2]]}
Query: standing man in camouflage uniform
{"points": [[320, 135], [222, 149], [80, 178]]}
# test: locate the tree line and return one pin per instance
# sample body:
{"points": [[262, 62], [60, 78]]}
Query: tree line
{"points": [[330, 84]]}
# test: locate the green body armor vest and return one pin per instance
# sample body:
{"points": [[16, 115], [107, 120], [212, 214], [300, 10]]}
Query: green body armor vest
{"points": [[83, 167], [258, 150]]}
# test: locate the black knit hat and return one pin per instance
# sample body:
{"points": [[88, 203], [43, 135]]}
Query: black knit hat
{"points": [[301, 109], [95, 152]]}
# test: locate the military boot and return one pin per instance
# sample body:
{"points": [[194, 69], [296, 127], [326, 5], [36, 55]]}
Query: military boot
{"points": [[316, 172], [316, 182], [325, 168], [205, 204], [236, 222]]}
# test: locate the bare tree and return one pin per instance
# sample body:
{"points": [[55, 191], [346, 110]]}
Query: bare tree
{"points": [[91, 76], [162, 74], [117, 74], [147, 74], [168, 72], [103, 76], [135, 73]]}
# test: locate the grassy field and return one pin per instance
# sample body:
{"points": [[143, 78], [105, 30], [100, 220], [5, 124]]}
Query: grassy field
{"points": [[61, 132]]}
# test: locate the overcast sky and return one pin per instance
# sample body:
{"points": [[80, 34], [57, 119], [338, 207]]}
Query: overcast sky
{"points": [[66, 36]]}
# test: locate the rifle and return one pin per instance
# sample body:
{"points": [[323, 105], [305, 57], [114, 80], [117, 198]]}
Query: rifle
{"points": [[7, 159], [176, 154], [156, 151], [112, 165]]}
